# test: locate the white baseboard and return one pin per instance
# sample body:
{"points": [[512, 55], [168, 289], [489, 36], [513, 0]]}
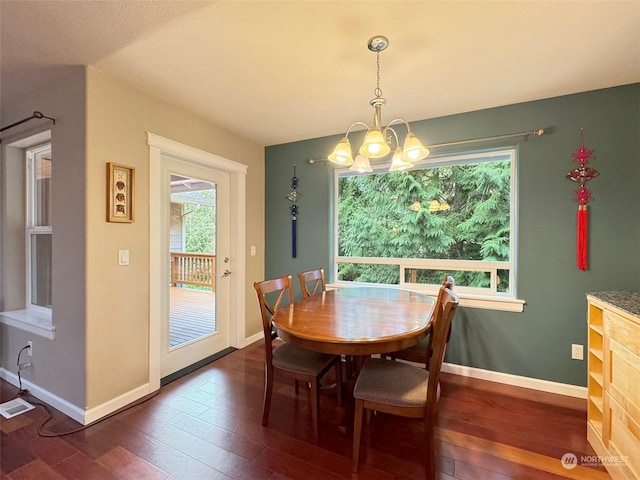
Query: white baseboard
{"points": [[69, 409], [516, 380], [252, 339], [498, 377], [96, 413], [79, 414], [491, 376]]}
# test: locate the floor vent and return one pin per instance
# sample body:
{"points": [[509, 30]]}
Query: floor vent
{"points": [[15, 407]]}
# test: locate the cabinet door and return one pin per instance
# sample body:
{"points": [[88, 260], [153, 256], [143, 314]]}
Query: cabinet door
{"points": [[623, 330], [624, 442], [622, 403], [624, 377]]}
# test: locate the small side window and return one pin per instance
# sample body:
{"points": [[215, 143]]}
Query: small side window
{"points": [[39, 229]]}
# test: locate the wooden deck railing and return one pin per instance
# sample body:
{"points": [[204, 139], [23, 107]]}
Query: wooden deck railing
{"points": [[193, 269]]}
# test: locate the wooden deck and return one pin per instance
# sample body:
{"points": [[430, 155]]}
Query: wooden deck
{"points": [[192, 315]]}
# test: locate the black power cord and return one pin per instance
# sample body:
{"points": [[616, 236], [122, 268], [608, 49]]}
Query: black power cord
{"points": [[21, 391], [24, 393]]}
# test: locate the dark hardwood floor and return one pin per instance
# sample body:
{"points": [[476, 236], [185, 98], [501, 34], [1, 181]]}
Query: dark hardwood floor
{"points": [[207, 426]]}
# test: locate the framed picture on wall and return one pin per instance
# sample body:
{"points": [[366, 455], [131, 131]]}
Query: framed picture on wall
{"points": [[120, 193]]}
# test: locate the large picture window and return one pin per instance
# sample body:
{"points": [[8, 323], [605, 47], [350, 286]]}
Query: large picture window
{"points": [[450, 214]]}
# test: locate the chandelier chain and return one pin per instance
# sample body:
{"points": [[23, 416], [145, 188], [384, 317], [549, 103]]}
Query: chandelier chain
{"points": [[378, 91]]}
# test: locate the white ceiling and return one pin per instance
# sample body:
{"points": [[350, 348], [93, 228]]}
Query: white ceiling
{"points": [[281, 71]]}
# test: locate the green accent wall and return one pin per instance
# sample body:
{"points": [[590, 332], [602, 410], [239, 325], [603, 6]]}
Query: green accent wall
{"points": [[537, 342]]}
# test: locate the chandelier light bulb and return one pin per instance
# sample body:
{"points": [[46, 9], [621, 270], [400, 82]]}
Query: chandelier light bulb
{"points": [[361, 164], [342, 153], [375, 145], [397, 163], [413, 149]]}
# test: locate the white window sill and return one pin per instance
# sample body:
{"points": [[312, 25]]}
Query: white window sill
{"points": [[488, 302], [504, 304], [38, 323]]}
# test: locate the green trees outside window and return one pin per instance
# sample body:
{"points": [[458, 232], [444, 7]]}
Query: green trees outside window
{"points": [[451, 209], [200, 224]]}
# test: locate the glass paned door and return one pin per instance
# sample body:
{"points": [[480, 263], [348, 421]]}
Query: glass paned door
{"points": [[192, 250], [196, 242]]}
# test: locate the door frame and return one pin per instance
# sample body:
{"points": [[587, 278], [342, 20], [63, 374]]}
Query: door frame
{"points": [[159, 147]]}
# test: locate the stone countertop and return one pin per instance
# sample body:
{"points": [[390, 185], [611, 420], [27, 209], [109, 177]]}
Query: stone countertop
{"points": [[627, 301]]}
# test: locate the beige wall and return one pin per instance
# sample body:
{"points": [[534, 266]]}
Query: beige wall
{"points": [[118, 117], [100, 310]]}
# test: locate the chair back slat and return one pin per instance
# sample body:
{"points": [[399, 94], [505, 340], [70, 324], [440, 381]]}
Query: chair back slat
{"points": [[312, 282], [444, 311], [281, 288], [448, 282]]}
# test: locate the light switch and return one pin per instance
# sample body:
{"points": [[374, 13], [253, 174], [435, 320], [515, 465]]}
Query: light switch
{"points": [[123, 257], [253, 250]]}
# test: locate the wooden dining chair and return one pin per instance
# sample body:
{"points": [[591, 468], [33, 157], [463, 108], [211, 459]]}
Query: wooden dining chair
{"points": [[312, 282], [287, 360], [418, 353], [402, 389]]}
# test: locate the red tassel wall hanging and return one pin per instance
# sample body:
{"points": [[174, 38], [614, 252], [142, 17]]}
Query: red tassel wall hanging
{"points": [[581, 247], [582, 174]]}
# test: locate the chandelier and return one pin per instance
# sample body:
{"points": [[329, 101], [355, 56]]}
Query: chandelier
{"points": [[377, 141]]}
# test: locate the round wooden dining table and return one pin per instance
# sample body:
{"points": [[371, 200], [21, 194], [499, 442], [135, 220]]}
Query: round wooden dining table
{"points": [[356, 321]]}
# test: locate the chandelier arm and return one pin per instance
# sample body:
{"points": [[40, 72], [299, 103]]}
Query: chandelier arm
{"points": [[388, 128], [353, 125], [398, 120]]}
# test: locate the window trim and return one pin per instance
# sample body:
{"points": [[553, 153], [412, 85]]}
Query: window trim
{"points": [[32, 320], [35, 319], [470, 297], [30, 220]]}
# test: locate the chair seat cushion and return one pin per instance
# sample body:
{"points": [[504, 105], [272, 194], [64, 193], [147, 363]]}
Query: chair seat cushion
{"points": [[392, 383], [288, 357]]}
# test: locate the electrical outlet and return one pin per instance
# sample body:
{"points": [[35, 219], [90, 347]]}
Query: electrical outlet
{"points": [[30, 349], [577, 352]]}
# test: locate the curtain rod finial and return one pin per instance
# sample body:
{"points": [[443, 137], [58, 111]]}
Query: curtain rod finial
{"points": [[313, 161]]}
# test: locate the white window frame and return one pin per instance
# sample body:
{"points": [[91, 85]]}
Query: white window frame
{"points": [[33, 318], [471, 297], [31, 228]]}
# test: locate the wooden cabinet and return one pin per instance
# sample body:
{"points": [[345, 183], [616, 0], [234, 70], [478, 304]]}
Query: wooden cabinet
{"points": [[613, 412], [595, 382]]}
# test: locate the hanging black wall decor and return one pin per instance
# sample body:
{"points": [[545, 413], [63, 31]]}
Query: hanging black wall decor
{"points": [[293, 198]]}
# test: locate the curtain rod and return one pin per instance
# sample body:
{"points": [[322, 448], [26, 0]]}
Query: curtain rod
{"points": [[536, 133], [19, 122]]}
